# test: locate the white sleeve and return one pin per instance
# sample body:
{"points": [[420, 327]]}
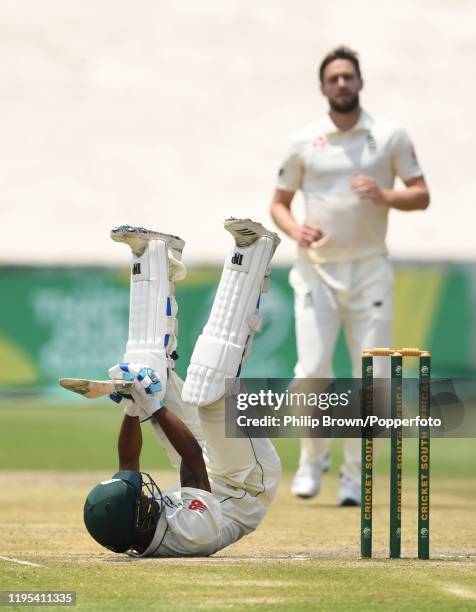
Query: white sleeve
{"points": [[198, 522], [291, 170], [404, 160]]}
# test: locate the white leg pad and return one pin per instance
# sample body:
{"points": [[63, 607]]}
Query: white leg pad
{"points": [[153, 326], [223, 345]]}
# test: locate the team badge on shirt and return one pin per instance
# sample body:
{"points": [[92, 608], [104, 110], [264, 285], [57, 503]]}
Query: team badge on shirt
{"points": [[319, 142]]}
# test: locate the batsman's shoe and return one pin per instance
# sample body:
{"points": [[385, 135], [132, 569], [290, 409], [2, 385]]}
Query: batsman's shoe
{"points": [[349, 492], [246, 232], [307, 481], [138, 238]]}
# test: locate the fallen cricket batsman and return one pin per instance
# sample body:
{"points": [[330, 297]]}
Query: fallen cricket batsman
{"points": [[226, 484]]}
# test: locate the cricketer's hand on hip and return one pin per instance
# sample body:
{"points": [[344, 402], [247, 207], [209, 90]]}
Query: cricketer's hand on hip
{"points": [[146, 396]]}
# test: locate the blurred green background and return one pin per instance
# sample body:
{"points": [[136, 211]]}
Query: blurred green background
{"points": [[72, 322]]}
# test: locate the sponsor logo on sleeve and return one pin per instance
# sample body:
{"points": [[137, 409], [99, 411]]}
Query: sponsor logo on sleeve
{"points": [[371, 143], [413, 154], [197, 505]]}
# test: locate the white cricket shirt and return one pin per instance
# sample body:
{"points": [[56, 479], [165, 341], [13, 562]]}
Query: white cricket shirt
{"points": [[198, 523], [322, 161]]}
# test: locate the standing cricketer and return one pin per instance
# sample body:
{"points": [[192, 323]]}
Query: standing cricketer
{"points": [[345, 164], [226, 484]]}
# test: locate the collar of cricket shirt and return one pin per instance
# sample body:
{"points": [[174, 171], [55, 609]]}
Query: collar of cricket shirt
{"points": [[157, 539], [364, 123]]}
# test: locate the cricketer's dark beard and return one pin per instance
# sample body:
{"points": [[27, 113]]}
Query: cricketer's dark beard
{"points": [[348, 107]]}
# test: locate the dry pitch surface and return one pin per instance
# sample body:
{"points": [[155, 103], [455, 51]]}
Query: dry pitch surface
{"points": [[305, 555]]}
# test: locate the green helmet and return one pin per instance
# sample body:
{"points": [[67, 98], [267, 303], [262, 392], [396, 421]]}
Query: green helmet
{"points": [[117, 511]]}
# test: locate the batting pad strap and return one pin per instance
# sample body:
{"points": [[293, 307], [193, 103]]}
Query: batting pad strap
{"points": [[216, 355], [234, 318], [255, 321]]}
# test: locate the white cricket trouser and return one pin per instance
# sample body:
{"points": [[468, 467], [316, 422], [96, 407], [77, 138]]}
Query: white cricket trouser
{"points": [[244, 471], [357, 295]]}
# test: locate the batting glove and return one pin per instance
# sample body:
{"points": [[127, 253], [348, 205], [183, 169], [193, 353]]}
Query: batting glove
{"points": [[145, 396], [130, 401]]}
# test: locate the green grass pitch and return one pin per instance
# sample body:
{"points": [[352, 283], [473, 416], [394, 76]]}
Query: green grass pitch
{"points": [[305, 555]]}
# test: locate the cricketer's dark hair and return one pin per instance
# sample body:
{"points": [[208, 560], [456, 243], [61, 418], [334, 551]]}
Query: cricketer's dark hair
{"points": [[341, 52]]}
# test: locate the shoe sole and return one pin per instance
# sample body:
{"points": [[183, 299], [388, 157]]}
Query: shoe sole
{"points": [[246, 232], [138, 238], [349, 503], [301, 496], [305, 495]]}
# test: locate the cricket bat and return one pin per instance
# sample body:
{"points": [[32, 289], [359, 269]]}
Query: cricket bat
{"points": [[94, 388]]}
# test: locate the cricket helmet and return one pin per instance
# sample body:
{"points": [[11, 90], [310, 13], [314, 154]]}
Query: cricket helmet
{"points": [[119, 510]]}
